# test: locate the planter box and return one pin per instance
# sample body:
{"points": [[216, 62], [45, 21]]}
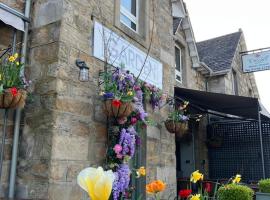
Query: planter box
{"points": [[262, 196]]}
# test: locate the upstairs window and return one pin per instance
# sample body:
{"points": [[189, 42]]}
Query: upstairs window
{"points": [[235, 82], [129, 13], [179, 58]]}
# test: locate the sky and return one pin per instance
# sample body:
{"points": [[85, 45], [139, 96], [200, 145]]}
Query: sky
{"points": [[212, 18]]}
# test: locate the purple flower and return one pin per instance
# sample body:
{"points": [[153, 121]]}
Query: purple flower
{"points": [[138, 140], [121, 182], [108, 95], [127, 141]]}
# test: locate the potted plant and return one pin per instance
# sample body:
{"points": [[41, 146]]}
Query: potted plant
{"points": [[177, 121], [12, 86], [235, 191], [264, 188], [118, 93]]}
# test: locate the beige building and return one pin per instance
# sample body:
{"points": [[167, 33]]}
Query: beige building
{"points": [[63, 129]]}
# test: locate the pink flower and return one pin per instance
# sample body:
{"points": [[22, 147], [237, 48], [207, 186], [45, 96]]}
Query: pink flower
{"points": [[119, 156], [117, 148], [133, 120]]}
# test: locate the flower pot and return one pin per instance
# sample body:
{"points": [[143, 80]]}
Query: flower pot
{"points": [[262, 196], [179, 128], [9, 100], [122, 110]]}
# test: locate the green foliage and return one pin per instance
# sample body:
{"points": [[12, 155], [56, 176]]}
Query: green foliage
{"points": [[235, 192], [10, 73], [264, 185]]}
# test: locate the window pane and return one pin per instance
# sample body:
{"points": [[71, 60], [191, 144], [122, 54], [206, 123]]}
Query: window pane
{"points": [[128, 22], [177, 59], [130, 5]]}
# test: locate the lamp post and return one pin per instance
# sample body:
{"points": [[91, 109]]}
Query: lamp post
{"points": [[84, 70]]}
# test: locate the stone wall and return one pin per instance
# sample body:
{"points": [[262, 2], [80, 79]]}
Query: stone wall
{"points": [[64, 127]]}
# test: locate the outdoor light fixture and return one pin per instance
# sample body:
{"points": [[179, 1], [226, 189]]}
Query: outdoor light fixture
{"points": [[84, 70]]}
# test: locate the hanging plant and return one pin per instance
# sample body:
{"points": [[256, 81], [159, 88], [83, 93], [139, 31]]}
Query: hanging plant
{"points": [[177, 121], [12, 86]]}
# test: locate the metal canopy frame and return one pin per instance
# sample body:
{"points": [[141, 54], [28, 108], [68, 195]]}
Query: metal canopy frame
{"points": [[225, 115], [26, 19]]}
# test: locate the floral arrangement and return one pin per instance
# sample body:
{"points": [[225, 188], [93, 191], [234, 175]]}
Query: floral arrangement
{"points": [[155, 187], [121, 92], [207, 190], [12, 85]]}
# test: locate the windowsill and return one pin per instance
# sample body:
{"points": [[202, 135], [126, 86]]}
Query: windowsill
{"points": [[133, 35]]}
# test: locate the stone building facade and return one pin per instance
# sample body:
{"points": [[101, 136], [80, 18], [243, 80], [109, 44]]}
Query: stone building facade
{"points": [[64, 129]]}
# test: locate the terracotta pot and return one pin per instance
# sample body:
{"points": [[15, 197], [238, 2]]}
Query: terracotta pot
{"points": [[124, 110], [179, 128], [8, 100]]}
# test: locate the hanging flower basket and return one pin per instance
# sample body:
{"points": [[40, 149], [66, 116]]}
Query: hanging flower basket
{"points": [[12, 98], [179, 128], [118, 109]]}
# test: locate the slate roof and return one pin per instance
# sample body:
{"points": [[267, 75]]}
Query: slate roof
{"points": [[218, 53], [176, 22]]}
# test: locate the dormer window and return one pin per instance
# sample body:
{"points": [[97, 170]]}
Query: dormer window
{"points": [[129, 14], [179, 59]]}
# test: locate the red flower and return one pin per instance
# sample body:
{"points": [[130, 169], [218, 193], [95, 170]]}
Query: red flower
{"points": [[14, 91], [116, 103], [208, 187], [184, 193]]}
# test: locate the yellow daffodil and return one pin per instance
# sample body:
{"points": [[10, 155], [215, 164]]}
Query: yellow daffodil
{"points": [[196, 176], [195, 197], [11, 59], [237, 179], [129, 93], [141, 172], [96, 182]]}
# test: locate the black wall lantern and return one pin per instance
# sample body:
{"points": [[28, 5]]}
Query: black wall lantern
{"points": [[84, 70]]}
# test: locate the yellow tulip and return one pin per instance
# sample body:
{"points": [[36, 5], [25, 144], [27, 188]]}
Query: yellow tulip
{"points": [[196, 176], [195, 197], [96, 182], [237, 178]]}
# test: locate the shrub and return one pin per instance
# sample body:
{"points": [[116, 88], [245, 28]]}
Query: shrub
{"points": [[235, 192], [264, 185]]}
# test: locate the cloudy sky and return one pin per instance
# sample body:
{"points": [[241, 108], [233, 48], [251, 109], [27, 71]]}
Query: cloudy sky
{"points": [[212, 18]]}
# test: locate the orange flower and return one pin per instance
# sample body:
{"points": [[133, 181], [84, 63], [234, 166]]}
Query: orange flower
{"points": [[155, 187]]}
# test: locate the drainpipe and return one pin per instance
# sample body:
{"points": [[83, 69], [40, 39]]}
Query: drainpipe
{"points": [[12, 177]]}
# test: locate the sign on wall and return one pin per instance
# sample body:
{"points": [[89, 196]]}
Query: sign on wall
{"points": [[256, 61], [120, 52]]}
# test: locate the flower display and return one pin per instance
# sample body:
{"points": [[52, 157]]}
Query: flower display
{"points": [[96, 182], [196, 176], [155, 187], [237, 179], [184, 193], [127, 141], [13, 82]]}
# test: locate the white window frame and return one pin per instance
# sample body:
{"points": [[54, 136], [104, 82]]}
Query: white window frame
{"points": [[177, 72], [130, 16]]}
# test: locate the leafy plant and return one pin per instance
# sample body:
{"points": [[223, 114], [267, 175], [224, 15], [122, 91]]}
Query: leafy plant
{"points": [[264, 185], [179, 115], [235, 191]]}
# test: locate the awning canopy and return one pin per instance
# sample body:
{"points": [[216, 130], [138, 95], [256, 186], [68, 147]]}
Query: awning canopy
{"points": [[245, 107], [11, 19]]}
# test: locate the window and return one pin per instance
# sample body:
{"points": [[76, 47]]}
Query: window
{"points": [[129, 13], [179, 58]]}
